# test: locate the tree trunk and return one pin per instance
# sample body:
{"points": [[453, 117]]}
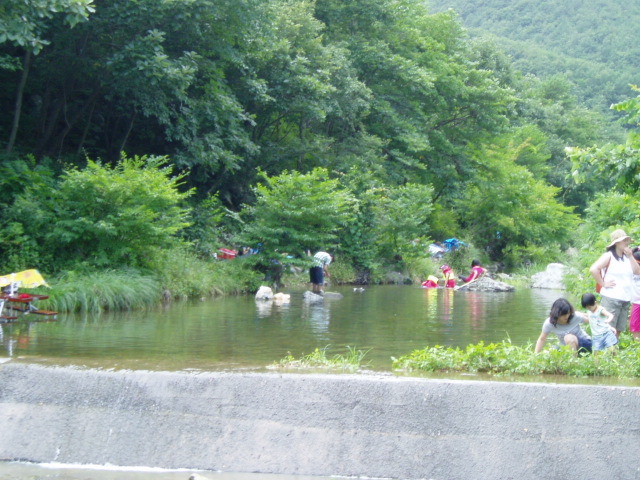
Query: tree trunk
{"points": [[19, 95]]}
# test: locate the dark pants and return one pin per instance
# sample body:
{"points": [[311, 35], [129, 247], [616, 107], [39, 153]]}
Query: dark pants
{"points": [[316, 275]]}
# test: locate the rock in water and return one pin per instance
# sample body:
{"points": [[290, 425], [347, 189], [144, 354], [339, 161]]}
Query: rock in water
{"points": [[333, 295], [281, 298], [487, 284], [312, 297], [552, 277], [264, 293]]}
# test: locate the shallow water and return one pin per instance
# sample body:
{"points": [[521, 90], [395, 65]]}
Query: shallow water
{"points": [[240, 333]]}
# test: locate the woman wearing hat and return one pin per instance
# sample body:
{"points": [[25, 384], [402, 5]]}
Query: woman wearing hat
{"points": [[614, 272]]}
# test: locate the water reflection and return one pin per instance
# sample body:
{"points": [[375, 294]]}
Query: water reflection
{"points": [[318, 316], [238, 332]]}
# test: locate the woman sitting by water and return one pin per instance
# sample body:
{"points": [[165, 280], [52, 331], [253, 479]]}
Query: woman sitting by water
{"points": [[565, 322], [477, 271]]}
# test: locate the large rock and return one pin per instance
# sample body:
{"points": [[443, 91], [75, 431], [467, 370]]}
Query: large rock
{"points": [[264, 293], [487, 284], [552, 277], [311, 297]]}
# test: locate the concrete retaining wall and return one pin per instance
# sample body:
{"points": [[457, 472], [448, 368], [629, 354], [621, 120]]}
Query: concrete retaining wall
{"points": [[353, 425]]}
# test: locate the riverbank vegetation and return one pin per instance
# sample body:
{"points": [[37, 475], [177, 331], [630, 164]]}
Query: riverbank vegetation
{"points": [[352, 361], [142, 138], [507, 359]]}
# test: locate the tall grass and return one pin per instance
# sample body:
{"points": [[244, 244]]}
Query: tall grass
{"points": [[186, 276], [175, 274], [99, 291]]}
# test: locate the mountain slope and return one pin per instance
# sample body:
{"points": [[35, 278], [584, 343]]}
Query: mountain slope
{"points": [[594, 43]]}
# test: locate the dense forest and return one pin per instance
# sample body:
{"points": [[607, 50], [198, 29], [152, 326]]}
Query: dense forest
{"points": [[593, 44], [146, 135]]}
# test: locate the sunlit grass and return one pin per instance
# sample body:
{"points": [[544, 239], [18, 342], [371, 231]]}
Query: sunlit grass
{"points": [[507, 359], [318, 359]]}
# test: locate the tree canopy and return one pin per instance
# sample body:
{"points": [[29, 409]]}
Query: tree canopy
{"points": [[371, 123]]}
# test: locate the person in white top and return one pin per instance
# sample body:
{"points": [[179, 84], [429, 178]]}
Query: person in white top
{"points": [[318, 271], [614, 272]]}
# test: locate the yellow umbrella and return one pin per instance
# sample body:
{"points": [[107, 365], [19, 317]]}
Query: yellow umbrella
{"points": [[27, 279]]}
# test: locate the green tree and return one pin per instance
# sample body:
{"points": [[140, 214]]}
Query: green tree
{"points": [[430, 99], [512, 214], [619, 164], [295, 213], [401, 216], [24, 25]]}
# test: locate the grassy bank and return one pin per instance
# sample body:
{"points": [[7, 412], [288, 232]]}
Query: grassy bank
{"points": [[180, 277], [507, 359]]}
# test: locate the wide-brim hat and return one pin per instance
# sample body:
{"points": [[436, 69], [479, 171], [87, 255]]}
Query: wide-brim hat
{"points": [[618, 236]]}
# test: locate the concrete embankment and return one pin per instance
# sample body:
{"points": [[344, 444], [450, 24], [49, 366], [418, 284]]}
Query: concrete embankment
{"points": [[352, 425]]}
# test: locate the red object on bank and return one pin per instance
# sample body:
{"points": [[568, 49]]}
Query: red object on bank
{"points": [[227, 254]]}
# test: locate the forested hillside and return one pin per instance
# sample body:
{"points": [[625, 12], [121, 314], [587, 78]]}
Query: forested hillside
{"points": [[138, 133], [594, 43]]}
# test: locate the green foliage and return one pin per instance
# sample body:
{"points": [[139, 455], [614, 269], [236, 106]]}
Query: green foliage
{"points": [[401, 215], [342, 272], [100, 216], [620, 164], [395, 101], [511, 213], [211, 226], [184, 275], [351, 361], [429, 97], [419, 268], [177, 273], [297, 212], [507, 359], [593, 43], [24, 23]]}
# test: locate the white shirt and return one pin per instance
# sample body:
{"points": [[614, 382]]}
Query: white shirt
{"points": [[619, 271], [321, 259]]}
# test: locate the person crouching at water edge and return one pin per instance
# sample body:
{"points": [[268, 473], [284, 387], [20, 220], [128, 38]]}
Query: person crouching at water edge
{"points": [[320, 269], [566, 323], [603, 335], [449, 276]]}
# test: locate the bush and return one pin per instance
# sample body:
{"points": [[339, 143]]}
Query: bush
{"points": [[342, 272], [185, 275], [508, 359], [101, 217]]}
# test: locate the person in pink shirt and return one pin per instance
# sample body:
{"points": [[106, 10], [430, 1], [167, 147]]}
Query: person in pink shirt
{"points": [[449, 276], [477, 270]]}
